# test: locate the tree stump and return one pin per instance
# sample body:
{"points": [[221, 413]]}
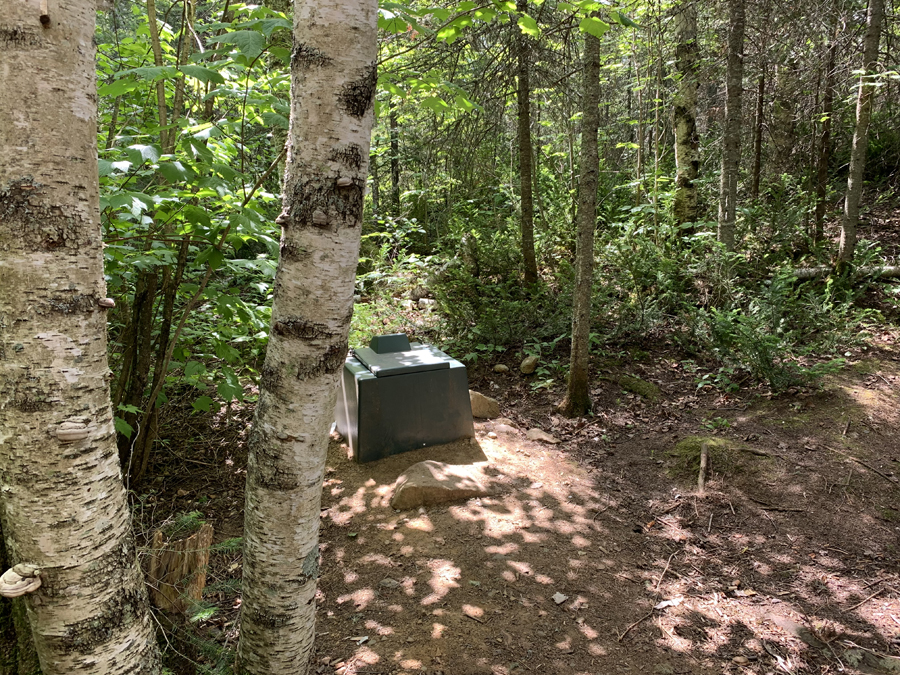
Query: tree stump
{"points": [[178, 568]]}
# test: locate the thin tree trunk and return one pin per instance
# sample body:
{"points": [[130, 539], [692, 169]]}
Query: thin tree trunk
{"points": [[395, 161], [861, 132], [333, 64], [758, 134], [783, 114], [161, 109], [523, 99], [824, 157], [731, 142], [62, 502], [578, 399], [684, 106]]}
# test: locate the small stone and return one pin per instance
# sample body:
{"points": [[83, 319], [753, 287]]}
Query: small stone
{"points": [[505, 429], [500, 368], [427, 303], [182, 493], [741, 660], [407, 304], [529, 365], [491, 434], [541, 436], [483, 406], [387, 582]]}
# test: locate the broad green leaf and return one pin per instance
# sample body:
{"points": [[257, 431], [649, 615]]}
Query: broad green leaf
{"points": [[123, 427], [436, 104], [118, 87], [593, 26], [529, 26], [203, 404], [152, 72], [276, 120], [139, 153], [104, 167], [391, 22], [174, 171], [192, 368], [197, 216], [618, 17], [203, 74], [249, 42], [486, 14]]}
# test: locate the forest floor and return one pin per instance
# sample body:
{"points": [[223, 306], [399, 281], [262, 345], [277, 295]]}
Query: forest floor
{"points": [[788, 562]]}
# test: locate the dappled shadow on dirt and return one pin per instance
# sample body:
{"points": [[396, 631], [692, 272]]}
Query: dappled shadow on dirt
{"points": [[597, 555], [600, 558]]}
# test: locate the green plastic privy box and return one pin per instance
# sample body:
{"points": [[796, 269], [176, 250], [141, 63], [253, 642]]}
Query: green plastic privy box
{"points": [[396, 396]]}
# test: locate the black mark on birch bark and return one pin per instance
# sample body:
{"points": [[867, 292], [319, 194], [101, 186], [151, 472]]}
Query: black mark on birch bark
{"points": [[73, 304], [292, 252], [29, 223], [17, 38], [300, 328], [121, 610], [321, 204], [356, 97], [270, 379], [305, 57], [350, 156], [329, 363]]}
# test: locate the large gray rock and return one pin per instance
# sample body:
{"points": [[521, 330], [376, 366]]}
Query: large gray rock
{"points": [[529, 365], [483, 407], [431, 482]]}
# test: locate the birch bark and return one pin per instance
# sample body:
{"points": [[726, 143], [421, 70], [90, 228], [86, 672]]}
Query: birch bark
{"points": [[577, 400], [861, 132], [332, 93], [62, 501], [687, 142]]}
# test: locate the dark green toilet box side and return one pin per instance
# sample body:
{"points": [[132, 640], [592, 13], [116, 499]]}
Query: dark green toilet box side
{"points": [[396, 401]]}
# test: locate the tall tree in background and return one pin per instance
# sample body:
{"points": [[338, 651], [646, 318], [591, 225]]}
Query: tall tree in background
{"points": [[731, 141], [332, 95], [578, 400], [861, 131], [62, 500], [824, 149], [687, 143], [523, 100]]}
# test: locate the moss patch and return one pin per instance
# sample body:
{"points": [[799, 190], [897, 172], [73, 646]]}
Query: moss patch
{"points": [[723, 456], [636, 385]]}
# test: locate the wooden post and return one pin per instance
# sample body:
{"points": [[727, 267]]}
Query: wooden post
{"points": [[178, 568]]}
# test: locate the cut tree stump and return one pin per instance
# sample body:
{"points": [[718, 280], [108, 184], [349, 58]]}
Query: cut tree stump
{"points": [[178, 568]]}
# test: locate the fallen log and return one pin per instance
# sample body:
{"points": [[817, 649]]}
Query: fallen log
{"points": [[876, 271]]}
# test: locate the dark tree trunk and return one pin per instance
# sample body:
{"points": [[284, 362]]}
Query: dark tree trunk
{"points": [[395, 162], [578, 400], [824, 157], [731, 150], [523, 99]]}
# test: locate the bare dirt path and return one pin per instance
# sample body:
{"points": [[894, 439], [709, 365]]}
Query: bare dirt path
{"points": [[598, 555]]}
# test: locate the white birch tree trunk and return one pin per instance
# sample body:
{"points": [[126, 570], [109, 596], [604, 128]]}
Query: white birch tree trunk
{"points": [[687, 142], [847, 245], [62, 501], [332, 94]]}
